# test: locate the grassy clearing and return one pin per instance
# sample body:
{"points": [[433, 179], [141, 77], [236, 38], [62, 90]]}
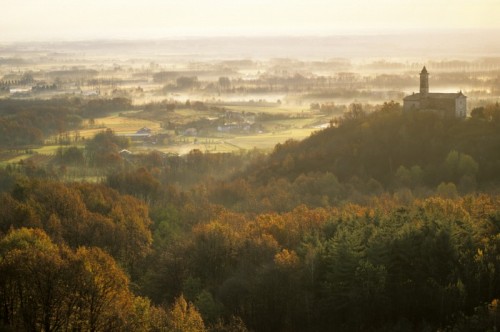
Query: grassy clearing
{"points": [[14, 160], [121, 125], [48, 149], [267, 141], [35, 155], [291, 123], [125, 125], [15, 156]]}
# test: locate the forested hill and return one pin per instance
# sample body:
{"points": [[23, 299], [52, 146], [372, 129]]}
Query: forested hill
{"points": [[395, 148], [341, 231]]}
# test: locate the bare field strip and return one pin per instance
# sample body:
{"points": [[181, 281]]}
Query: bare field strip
{"points": [[268, 140], [126, 125]]}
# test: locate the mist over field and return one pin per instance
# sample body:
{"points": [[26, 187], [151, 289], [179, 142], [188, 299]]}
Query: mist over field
{"points": [[237, 165]]}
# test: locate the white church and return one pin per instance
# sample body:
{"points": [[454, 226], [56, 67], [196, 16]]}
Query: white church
{"points": [[447, 104]]}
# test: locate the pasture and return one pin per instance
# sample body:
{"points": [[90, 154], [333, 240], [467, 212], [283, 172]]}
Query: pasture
{"points": [[267, 141], [119, 124]]}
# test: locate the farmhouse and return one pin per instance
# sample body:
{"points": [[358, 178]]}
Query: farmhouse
{"points": [[143, 134], [144, 131], [447, 104]]}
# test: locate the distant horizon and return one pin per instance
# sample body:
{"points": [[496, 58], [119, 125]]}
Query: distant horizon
{"points": [[270, 35], [413, 44]]}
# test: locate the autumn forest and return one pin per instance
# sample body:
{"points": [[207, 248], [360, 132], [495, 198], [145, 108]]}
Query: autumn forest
{"points": [[385, 221], [245, 195]]}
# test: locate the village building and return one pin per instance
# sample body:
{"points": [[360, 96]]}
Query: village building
{"points": [[446, 104]]}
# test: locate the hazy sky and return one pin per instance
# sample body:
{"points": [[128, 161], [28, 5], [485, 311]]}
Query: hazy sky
{"points": [[71, 19]]}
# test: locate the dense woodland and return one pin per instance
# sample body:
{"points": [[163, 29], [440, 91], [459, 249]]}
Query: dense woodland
{"points": [[385, 221]]}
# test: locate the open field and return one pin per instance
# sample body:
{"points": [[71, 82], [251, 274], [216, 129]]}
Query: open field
{"points": [[121, 125], [278, 109], [10, 158], [16, 156]]}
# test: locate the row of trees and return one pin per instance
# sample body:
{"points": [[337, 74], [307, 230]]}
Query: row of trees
{"points": [[345, 83]]}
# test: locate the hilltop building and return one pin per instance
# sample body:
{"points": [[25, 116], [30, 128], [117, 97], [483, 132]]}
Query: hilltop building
{"points": [[447, 104]]}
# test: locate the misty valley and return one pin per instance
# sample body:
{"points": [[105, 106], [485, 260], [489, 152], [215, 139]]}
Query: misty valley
{"points": [[258, 184]]}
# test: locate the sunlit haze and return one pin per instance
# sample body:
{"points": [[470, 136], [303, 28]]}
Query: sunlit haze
{"points": [[27, 20]]}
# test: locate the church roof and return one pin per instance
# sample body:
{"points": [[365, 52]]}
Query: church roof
{"points": [[417, 96], [413, 97]]}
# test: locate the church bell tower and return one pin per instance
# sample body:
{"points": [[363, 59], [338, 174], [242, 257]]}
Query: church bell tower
{"points": [[424, 82]]}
